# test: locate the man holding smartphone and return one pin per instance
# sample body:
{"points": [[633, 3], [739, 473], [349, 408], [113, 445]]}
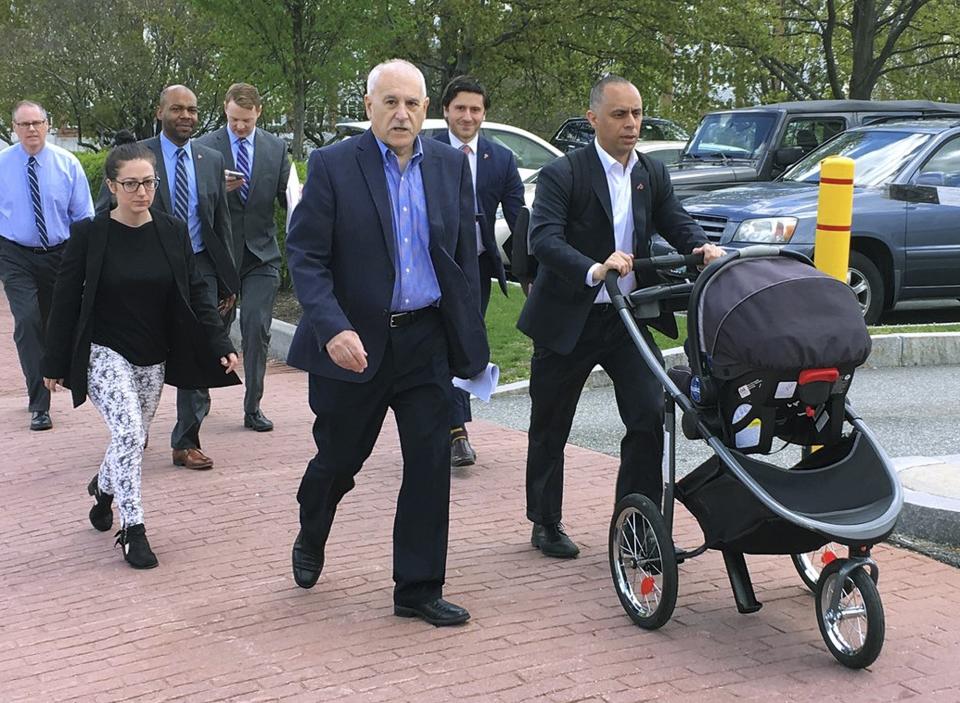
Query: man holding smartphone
{"points": [[257, 170]]}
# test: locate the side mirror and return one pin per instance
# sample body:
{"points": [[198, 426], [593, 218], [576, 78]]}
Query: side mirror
{"points": [[787, 156]]}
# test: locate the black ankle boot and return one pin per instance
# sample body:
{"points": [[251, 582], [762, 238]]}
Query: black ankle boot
{"points": [[136, 548], [101, 514]]}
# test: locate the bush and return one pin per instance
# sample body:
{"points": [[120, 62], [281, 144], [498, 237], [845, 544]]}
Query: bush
{"points": [[93, 167], [92, 163]]}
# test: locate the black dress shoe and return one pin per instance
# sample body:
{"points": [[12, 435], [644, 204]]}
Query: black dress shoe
{"points": [[101, 514], [40, 420], [438, 612], [553, 541], [257, 422], [307, 562], [461, 453]]}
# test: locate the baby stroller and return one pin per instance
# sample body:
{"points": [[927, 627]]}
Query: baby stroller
{"points": [[773, 344]]}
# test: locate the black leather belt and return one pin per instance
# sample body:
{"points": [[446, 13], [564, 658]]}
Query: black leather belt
{"points": [[41, 250], [402, 319]]}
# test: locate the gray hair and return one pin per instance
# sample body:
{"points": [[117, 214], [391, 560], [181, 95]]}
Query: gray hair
{"points": [[26, 103], [596, 92], [374, 74]]}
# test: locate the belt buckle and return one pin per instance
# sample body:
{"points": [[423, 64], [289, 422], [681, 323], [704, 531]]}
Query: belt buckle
{"points": [[395, 319]]}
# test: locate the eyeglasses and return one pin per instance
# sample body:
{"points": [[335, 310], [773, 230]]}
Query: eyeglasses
{"points": [[35, 124], [149, 185]]}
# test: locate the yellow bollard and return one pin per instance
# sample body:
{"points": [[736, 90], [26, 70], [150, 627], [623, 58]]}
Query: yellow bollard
{"points": [[831, 253]]}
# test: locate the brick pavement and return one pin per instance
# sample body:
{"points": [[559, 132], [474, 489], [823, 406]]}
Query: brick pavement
{"points": [[221, 618]]}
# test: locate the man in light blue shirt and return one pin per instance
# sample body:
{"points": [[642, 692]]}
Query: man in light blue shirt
{"points": [[43, 190]]}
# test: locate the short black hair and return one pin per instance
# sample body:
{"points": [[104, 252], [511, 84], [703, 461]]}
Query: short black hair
{"points": [[123, 153], [596, 92], [124, 136], [464, 84]]}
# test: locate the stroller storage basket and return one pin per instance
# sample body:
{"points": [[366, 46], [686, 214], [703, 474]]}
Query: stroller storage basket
{"points": [[838, 486]]}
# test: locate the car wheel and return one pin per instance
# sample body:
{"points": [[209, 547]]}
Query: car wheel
{"points": [[864, 278]]}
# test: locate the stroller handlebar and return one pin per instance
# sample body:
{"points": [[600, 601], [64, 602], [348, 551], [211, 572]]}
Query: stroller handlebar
{"points": [[651, 265]]}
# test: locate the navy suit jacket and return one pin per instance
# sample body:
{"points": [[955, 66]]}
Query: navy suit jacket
{"points": [[498, 184], [341, 250]]}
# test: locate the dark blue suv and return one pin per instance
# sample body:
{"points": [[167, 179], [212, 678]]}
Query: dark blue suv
{"points": [[906, 211]]}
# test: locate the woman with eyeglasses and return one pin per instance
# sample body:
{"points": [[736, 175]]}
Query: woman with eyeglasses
{"points": [[128, 314]]}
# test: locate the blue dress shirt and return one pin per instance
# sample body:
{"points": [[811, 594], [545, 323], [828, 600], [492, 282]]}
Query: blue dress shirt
{"points": [[193, 213], [64, 194], [416, 284]]}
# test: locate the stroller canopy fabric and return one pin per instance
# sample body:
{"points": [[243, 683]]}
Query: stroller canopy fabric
{"points": [[777, 313]]}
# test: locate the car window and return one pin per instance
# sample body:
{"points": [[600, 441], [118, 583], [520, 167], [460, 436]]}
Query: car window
{"points": [[528, 153], [810, 132], [878, 156], [661, 130], [570, 132], [943, 168], [731, 135]]}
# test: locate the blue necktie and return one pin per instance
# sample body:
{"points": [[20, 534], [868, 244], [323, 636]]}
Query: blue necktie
{"points": [[181, 199], [243, 165], [37, 204]]}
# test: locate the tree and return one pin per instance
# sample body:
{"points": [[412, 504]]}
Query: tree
{"points": [[298, 52]]}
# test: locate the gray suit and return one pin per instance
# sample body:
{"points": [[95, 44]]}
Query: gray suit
{"points": [[255, 248], [216, 262]]}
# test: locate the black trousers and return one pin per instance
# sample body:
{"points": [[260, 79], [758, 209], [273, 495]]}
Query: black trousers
{"points": [[412, 380], [460, 399], [556, 381], [28, 279]]}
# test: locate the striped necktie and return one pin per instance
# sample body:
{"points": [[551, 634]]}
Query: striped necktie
{"points": [[181, 199], [37, 203], [243, 165]]}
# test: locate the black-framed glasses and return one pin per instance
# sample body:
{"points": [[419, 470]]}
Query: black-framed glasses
{"points": [[132, 186], [34, 124]]}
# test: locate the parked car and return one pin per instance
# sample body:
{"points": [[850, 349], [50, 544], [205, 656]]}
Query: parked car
{"points": [[666, 151], [759, 143], [576, 132], [906, 211], [531, 152]]}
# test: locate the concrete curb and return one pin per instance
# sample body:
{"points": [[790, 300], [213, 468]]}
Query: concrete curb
{"points": [[931, 501], [889, 350]]}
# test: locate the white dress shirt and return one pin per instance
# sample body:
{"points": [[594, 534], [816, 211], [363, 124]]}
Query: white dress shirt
{"points": [[472, 158], [621, 204]]}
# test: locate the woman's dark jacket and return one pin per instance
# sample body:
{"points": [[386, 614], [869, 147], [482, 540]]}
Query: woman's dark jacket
{"points": [[196, 335]]}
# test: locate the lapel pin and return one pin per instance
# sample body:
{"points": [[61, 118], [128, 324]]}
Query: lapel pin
{"points": [[639, 186], [486, 155]]}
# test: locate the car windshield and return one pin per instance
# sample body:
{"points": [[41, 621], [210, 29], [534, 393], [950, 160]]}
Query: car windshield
{"points": [[731, 135], [878, 156]]}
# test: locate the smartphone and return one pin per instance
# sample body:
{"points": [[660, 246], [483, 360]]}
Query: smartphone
{"points": [[232, 175]]}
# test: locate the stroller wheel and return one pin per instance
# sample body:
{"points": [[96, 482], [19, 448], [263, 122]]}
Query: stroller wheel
{"points": [[810, 564], [642, 562], [853, 631]]}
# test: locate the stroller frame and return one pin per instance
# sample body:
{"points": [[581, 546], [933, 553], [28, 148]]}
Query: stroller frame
{"points": [[857, 572]]}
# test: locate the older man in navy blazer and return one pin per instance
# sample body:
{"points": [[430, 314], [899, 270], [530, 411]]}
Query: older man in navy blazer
{"points": [[382, 250], [496, 182]]}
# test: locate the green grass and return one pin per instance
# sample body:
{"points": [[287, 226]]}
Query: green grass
{"points": [[912, 329], [510, 349]]}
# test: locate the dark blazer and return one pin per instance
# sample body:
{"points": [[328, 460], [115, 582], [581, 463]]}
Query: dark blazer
{"points": [[498, 183], [196, 334], [253, 225], [341, 248], [568, 236], [212, 206]]}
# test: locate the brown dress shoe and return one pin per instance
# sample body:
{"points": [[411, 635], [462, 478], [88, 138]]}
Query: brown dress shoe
{"points": [[192, 459]]}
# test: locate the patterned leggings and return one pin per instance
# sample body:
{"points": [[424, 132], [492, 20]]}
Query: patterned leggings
{"points": [[127, 396]]}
